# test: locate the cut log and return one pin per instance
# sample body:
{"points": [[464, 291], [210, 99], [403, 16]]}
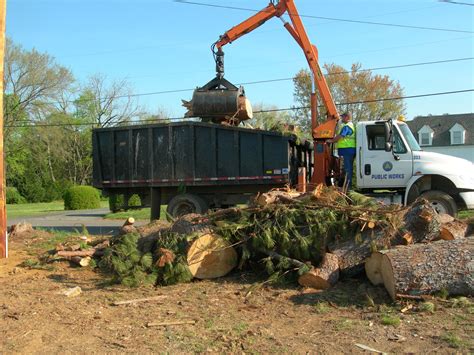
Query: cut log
{"points": [[78, 260], [420, 223], [445, 218], [189, 224], [81, 253], [373, 267], [245, 109], [129, 222], [453, 230], [428, 268], [273, 197], [210, 256], [323, 277]]}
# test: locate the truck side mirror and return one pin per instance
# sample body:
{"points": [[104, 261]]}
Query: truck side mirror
{"points": [[388, 146], [388, 132]]}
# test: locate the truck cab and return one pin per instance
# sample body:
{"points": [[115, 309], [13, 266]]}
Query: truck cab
{"points": [[392, 166]]}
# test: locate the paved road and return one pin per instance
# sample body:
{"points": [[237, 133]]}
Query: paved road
{"points": [[75, 220]]}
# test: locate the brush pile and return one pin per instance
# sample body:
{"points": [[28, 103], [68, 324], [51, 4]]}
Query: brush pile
{"points": [[314, 237]]}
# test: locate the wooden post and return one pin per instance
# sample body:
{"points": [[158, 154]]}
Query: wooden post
{"points": [[3, 213]]}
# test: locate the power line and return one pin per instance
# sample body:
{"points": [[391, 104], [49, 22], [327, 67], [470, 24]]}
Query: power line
{"points": [[172, 119], [457, 2], [274, 80], [329, 18]]}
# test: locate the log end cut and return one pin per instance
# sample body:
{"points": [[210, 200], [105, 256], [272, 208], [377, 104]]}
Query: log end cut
{"points": [[373, 268], [210, 256]]}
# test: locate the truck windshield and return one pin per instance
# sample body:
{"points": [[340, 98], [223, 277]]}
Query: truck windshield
{"points": [[411, 140]]}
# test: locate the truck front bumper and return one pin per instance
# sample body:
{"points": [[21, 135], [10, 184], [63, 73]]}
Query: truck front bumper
{"points": [[468, 198]]}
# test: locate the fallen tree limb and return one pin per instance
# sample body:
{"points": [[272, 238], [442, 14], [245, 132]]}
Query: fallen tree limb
{"points": [[140, 300], [80, 253], [165, 324]]}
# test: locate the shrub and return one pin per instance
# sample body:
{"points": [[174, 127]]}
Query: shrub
{"points": [[81, 197], [117, 202], [14, 197]]}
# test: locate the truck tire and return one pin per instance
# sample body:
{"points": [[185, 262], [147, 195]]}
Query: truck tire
{"points": [[185, 204], [441, 202]]}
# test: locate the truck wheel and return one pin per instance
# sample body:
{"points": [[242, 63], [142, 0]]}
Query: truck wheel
{"points": [[185, 204], [441, 202]]}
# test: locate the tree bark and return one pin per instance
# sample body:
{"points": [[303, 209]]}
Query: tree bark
{"points": [[428, 268], [420, 223], [453, 230], [323, 277], [81, 253]]}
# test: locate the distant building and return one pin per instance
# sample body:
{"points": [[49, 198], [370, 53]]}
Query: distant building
{"points": [[446, 134]]}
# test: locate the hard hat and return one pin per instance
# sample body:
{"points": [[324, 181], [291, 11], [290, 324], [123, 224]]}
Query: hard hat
{"points": [[401, 118]]}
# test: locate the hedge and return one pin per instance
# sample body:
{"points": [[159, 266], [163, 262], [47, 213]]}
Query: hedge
{"points": [[117, 202], [13, 196], [81, 198]]}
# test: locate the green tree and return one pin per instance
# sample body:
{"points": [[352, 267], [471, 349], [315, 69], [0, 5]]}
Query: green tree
{"points": [[33, 84], [350, 91]]}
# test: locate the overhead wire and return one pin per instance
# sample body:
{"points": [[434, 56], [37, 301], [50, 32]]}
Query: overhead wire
{"points": [[270, 80], [457, 2], [328, 18], [173, 119]]}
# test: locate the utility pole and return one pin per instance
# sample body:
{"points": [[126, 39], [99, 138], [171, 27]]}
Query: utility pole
{"points": [[3, 212]]}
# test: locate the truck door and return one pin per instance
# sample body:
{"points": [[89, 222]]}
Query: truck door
{"points": [[376, 167]]}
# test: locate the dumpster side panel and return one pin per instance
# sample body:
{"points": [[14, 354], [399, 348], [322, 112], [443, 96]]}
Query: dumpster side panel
{"points": [[275, 154], [205, 152], [122, 155], [139, 156], [227, 154], [251, 158], [162, 167]]}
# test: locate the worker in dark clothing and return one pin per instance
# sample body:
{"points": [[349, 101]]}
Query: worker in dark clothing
{"points": [[346, 146]]}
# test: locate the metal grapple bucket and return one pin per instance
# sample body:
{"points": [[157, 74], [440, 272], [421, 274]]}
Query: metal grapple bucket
{"points": [[219, 101]]}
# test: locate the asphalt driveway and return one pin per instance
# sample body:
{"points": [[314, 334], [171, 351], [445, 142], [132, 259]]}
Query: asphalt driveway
{"points": [[75, 220]]}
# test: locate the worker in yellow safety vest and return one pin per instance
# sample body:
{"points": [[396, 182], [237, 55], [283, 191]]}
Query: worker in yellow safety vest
{"points": [[346, 146]]}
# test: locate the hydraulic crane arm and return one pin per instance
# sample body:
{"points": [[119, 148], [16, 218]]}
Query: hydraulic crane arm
{"points": [[298, 32]]}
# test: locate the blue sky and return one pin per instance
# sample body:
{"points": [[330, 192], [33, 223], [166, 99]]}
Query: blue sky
{"points": [[163, 45]]}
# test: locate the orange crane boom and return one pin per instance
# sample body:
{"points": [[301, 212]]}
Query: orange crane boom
{"points": [[321, 131]]}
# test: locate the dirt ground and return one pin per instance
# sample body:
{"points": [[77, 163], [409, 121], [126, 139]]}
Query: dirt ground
{"points": [[234, 314]]}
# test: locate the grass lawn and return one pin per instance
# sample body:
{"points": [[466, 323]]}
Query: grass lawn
{"points": [[466, 214], [143, 214], [38, 209]]}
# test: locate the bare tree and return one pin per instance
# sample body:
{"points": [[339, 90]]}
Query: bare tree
{"points": [[107, 104]]}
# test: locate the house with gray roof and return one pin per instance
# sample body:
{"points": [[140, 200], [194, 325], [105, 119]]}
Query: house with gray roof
{"points": [[446, 134]]}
